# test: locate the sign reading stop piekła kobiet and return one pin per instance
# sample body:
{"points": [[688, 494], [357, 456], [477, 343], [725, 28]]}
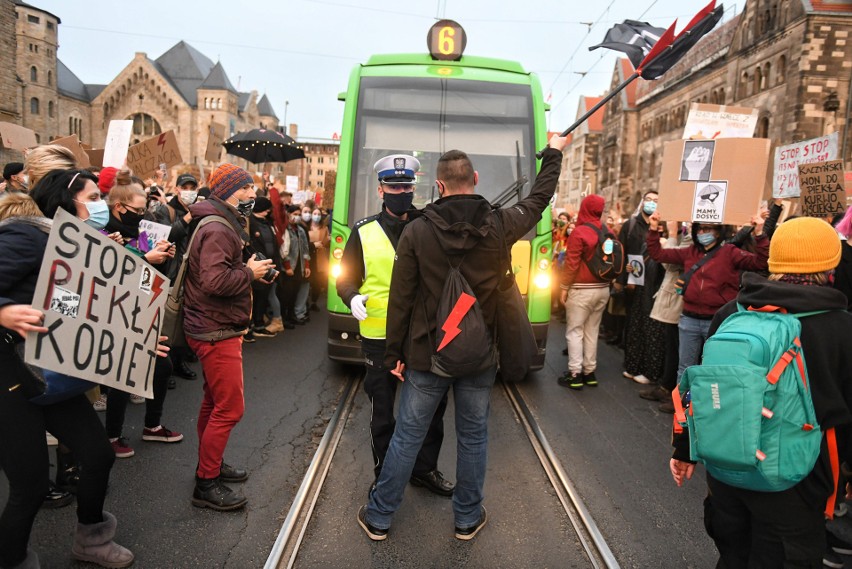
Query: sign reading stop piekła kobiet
{"points": [[103, 308], [823, 191]]}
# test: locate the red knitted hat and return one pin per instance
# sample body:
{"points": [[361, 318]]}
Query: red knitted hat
{"points": [[227, 179], [106, 179]]}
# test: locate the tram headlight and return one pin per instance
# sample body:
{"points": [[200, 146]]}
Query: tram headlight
{"points": [[337, 253], [543, 265], [542, 280], [335, 270]]}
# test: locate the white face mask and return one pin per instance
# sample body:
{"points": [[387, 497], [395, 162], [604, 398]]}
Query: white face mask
{"points": [[188, 196], [306, 217]]}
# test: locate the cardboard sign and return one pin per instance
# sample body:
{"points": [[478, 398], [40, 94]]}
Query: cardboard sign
{"points": [[823, 191], [292, 184], [719, 121], [96, 157], [742, 165], [300, 197], [16, 137], [150, 233], [637, 274], [787, 159], [117, 140], [72, 143], [145, 158], [215, 136], [102, 306], [708, 205]]}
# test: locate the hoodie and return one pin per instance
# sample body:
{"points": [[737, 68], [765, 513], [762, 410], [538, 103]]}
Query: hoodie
{"points": [[581, 246], [462, 230], [827, 347]]}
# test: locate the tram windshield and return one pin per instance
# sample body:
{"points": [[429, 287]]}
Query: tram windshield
{"points": [[491, 122]]}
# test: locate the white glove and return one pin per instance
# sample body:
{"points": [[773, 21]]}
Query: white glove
{"points": [[359, 311]]}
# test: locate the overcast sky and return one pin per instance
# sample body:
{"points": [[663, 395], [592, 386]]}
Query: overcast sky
{"points": [[303, 51]]}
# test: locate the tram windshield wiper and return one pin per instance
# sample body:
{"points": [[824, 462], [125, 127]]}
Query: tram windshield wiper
{"points": [[514, 189]]}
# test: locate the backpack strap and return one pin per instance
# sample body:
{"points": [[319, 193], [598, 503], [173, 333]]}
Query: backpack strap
{"points": [[831, 439], [177, 286], [683, 281]]}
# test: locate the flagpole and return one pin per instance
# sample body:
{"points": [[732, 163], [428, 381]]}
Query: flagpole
{"points": [[593, 110]]}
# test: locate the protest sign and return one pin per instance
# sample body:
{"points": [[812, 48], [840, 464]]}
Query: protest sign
{"points": [[823, 191], [103, 309], [292, 184], [145, 158], [17, 137], [72, 143], [150, 233], [300, 197], [117, 141], [719, 121], [636, 276], [738, 170], [697, 160], [787, 159], [96, 157], [215, 136]]}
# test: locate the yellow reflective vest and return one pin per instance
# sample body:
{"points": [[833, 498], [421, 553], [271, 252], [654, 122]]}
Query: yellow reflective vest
{"points": [[378, 265]]}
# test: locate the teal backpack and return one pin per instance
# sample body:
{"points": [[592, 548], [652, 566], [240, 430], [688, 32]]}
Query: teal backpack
{"points": [[750, 416]]}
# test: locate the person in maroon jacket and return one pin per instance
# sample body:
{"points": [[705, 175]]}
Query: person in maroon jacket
{"points": [[713, 284], [217, 311], [584, 295]]}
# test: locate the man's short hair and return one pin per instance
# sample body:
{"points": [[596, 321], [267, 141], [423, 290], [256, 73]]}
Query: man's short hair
{"points": [[645, 195], [12, 169], [455, 169]]}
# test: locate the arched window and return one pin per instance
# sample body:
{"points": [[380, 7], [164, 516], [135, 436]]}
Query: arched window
{"points": [[33, 74], [144, 125], [782, 69], [70, 125], [721, 97], [50, 109], [218, 103], [744, 85], [206, 103], [766, 70], [34, 110], [652, 165], [763, 127], [758, 80]]}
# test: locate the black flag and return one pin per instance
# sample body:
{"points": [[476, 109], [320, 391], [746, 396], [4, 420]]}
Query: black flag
{"points": [[655, 64], [633, 38]]}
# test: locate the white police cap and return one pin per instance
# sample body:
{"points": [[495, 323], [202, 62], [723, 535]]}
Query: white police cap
{"points": [[397, 169]]}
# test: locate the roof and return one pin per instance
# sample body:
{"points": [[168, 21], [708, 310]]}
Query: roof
{"points": [[186, 68], [595, 122], [828, 6], [264, 107], [69, 85], [242, 104], [217, 79]]}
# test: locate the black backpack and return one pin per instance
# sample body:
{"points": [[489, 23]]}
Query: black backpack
{"points": [[607, 262], [464, 345]]}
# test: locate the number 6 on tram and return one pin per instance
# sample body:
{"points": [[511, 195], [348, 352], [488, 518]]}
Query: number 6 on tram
{"points": [[425, 105]]}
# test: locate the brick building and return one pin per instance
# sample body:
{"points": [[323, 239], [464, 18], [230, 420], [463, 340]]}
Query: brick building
{"points": [[580, 158], [790, 59], [182, 90]]}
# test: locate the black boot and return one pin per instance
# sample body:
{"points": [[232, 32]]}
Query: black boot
{"points": [[67, 472], [212, 493], [182, 369]]}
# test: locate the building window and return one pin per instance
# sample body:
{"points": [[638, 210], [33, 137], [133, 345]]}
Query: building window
{"points": [[50, 109], [38, 138], [319, 184], [33, 74], [763, 127], [320, 159], [758, 80], [652, 165], [782, 69], [50, 78], [144, 125], [33, 19], [34, 106], [50, 26]]}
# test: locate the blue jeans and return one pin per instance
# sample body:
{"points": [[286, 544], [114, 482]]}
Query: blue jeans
{"points": [[421, 393], [692, 335]]}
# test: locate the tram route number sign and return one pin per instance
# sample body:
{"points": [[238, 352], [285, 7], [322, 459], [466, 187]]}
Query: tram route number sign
{"points": [[823, 192], [103, 309], [446, 40]]}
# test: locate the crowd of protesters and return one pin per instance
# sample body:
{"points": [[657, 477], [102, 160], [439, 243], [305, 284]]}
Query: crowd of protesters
{"points": [[287, 272]]}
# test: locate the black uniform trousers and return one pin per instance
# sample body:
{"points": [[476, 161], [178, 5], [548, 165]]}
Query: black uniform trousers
{"points": [[380, 385]]}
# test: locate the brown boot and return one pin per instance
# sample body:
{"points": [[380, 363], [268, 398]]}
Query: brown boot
{"points": [[93, 543]]}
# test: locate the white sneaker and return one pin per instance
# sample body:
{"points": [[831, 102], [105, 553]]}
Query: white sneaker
{"points": [[100, 403], [627, 375], [641, 379], [51, 440], [137, 399]]}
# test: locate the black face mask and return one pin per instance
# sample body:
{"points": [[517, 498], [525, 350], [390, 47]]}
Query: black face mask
{"points": [[245, 207], [398, 204], [130, 218]]}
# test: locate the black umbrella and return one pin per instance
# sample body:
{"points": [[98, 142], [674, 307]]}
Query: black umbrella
{"points": [[261, 145]]}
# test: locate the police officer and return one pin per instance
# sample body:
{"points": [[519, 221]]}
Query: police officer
{"points": [[364, 284]]}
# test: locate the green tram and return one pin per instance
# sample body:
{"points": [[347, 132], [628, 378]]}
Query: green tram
{"points": [[424, 106]]}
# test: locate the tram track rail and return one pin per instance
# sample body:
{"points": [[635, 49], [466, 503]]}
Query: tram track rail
{"points": [[286, 547]]}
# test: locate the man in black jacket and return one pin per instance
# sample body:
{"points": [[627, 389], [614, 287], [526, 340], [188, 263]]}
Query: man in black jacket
{"points": [[461, 226], [787, 529]]}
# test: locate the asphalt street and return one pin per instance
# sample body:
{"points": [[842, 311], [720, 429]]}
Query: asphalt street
{"points": [[613, 445]]}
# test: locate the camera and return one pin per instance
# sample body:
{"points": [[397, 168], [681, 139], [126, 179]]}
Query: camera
{"points": [[271, 273]]}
